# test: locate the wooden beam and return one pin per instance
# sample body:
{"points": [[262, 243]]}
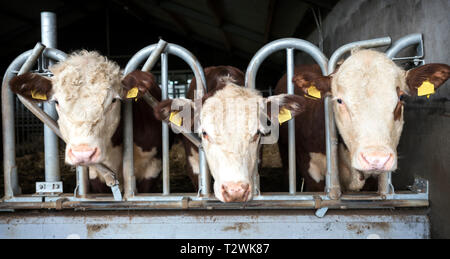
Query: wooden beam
{"points": [[269, 19], [218, 17]]}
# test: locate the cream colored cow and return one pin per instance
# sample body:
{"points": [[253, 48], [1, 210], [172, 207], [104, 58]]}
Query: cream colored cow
{"points": [[368, 91], [87, 89]]}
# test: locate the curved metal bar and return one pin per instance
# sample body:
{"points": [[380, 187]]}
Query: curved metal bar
{"points": [[379, 42], [11, 183], [135, 61], [402, 43], [25, 62], [274, 46], [332, 188], [172, 49], [290, 44], [385, 187]]}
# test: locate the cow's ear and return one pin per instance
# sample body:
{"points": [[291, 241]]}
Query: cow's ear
{"points": [[31, 86], [137, 83], [176, 111], [425, 79], [289, 106], [312, 84]]}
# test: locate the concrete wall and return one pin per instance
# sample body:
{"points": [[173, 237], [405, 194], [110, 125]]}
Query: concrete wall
{"points": [[425, 145]]}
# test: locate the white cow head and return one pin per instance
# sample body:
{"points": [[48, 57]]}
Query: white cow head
{"points": [[368, 91], [85, 88], [230, 126]]}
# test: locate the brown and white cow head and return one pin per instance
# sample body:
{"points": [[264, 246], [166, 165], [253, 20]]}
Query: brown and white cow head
{"points": [[367, 92], [85, 88], [231, 129]]}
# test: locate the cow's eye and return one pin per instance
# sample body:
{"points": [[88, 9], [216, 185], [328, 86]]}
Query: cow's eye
{"points": [[402, 97], [205, 135], [114, 100], [339, 101], [56, 102]]}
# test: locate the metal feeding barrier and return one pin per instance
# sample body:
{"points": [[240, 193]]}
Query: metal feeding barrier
{"points": [[152, 53], [332, 190], [51, 195]]}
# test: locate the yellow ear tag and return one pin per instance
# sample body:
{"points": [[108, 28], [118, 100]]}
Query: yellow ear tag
{"points": [[38, 96], [177, 120], [312, 91], [284, 115], [427, 88], [132, 93]]}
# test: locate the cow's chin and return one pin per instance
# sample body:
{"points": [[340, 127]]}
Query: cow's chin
{"points": [[374, 171]]}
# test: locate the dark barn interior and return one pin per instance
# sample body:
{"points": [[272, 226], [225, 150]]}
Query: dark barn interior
{"points": [[216, 32], [230, 32]]}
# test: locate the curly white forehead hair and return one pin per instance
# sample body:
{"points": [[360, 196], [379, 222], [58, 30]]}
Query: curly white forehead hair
{"points": [[88, 69]]}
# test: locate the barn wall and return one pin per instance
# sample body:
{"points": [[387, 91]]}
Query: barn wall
{"points": [[425, 143]]}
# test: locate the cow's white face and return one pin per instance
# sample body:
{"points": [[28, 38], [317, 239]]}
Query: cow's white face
{"points": [[230, 132], [365, 91], [85, 88], [231, 123]]}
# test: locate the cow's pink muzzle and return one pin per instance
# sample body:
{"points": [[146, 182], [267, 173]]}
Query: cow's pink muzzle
{"points": [[83, 154], [376, 160], [236, 192]]}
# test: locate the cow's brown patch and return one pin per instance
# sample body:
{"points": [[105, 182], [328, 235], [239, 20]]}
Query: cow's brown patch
{"points": [[437, 74], [217, 77], [144, 81], [309, 127]]}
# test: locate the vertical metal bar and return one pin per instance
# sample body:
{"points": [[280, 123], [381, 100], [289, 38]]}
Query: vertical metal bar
{"points": [[129, 180], [24, 61], [165, 126], [204, 175], [291, 125], [385, 184], [48, 36], [82, 181], [332, 186]]}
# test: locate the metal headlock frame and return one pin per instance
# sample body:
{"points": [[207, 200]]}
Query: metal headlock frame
{"points": [[151, 53], [331, 198]]}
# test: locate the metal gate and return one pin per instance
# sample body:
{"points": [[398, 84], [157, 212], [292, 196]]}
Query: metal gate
{"points": [[52, 197]]}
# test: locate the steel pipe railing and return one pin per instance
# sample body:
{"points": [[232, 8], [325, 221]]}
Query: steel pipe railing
{"points": [[11, 182], [150, 53], [385, 186], [373, 43], [8, 118], [165, 126], [183, 201], [291, 124], [331, 139], [404, 42], [49, 39], [290, 44]]}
